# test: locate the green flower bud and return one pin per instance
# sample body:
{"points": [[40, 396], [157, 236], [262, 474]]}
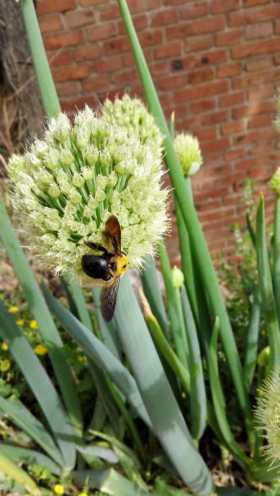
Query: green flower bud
{"points": [[177, 277], [275, 182], [188, 152]]}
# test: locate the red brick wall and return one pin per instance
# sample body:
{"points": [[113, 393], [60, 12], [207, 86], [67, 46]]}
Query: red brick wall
{"points": [[216, 63]]}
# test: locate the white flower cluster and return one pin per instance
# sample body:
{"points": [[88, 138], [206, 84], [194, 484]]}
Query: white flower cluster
{"points": [[188, 152], [268, 415], [67, 184]]}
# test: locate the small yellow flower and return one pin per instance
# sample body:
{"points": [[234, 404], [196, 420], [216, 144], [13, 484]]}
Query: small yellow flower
{"points": [[5, 365], [40, 349], [4, 346], [20, 322], [83, 494], [33, 324], [13, 309], [58, 489]]}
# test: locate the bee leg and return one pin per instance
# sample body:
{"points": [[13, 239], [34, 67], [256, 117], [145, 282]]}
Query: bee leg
{"points": [[96, 246]]}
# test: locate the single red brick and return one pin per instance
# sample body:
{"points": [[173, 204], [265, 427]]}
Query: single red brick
{"points": [[259, 64], [165, 83], [172, 49], [262, 30], [49, 23], [205, 59], [151, 38], [63, 39], [200, 76], [219, 6], [163, 17], [233, 127], [259, 47], [203, 106], [207, 25], [258, 94], [196, 43], [204, 90], [231, 99], [228, 70], [260, 121], [228, 37], [87, 52], [71, 72], [240, 112], [252, 3], [95, 83], [116, 45], [214, 118], [77, 18], [206, 133], [153, 4], [108, 64], [68, 88], [215, 146], [125, 77], [192, 11], [48, 6], [86, 3], [111, 12], [102, 31]]}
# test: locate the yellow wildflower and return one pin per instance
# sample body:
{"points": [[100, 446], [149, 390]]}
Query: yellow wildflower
{"points": [[83, 494], [5, 365], [40, 349], [13, 309], [20, 322], [4, 346], [58, 489], [33, 324]]}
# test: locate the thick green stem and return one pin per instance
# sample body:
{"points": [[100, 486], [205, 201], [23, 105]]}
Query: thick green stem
{"points": [[276, 256], [198, 242], [40, 61]]}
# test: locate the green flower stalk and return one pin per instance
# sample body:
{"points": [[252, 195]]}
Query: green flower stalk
{"points": [[268, 415], [69, 182], [188, 152]]}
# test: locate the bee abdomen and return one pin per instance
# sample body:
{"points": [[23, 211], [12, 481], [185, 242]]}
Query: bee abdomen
{"points": [[96, 267]]}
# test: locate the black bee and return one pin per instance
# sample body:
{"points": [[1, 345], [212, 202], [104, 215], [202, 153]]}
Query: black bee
{"points": [[108, 266]]}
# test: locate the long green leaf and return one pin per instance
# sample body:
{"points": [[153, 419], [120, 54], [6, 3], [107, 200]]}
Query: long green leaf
{"points": [[29, 457], [108, 481], [168, 422], [39, 57], [15, 473], [150, 282], [167, 352], [177, 325], [252, 339], [41, 313], [276, 255], [219, 400], [17, 412], [79, 300], [40, 384], [197, 386], [100, 355], [189, 214], [265, 282]]}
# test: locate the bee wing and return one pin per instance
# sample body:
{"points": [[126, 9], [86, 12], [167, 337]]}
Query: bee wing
{"points": [[108, 299], [112, 234]]}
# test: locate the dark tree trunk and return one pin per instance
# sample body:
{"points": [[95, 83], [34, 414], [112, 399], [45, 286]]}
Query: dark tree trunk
{"points": [[20, 107]]}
